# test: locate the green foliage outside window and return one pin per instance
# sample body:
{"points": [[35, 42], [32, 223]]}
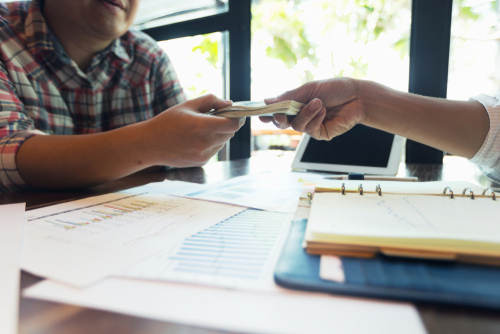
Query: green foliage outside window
{"points": [[281, 24]]}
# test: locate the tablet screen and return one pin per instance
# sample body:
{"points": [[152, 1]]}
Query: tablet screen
{"points": [[360, 146]]}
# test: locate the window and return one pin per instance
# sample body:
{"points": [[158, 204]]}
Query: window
{"points": [[230, 21], [199, 62], [474, 49], [294, 42], [373, 36]]}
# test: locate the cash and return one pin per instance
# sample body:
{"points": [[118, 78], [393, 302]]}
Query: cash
{"points": [[249, 108]]}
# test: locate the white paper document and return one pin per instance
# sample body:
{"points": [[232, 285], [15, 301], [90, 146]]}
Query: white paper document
{"points": [[81, 242], [269, 191], [166, 187], [331, 268], [11, 237], [285, 311], [237, 253]]}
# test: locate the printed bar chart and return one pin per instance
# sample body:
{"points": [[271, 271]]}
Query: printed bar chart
{"points": [[235, 253], [100, 213]]}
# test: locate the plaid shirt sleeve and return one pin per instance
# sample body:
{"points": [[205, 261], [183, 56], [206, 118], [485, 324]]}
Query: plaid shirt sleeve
{"points": [[168, 90], [15, 128]]}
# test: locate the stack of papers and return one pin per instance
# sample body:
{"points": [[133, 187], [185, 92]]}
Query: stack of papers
{"points": [[244, 109], [173, 254]]}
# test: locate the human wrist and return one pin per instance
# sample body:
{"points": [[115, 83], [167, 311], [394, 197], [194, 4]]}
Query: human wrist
{"points": [[132, 146], [369, 94], [149, 149]]}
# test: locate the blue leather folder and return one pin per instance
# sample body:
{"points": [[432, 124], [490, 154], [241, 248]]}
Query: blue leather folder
{"points": [[392, 278]]}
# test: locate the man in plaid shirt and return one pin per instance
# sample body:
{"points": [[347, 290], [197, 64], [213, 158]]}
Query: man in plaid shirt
{"points": [[85, 100]]}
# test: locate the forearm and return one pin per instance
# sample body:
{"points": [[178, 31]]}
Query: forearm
{"points": [[83, 160], [458, 127]]}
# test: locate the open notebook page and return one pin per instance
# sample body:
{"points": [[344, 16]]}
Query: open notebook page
{"points": [[436, 223]]}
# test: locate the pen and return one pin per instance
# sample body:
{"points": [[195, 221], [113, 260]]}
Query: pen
{"points": [[372, 177]]}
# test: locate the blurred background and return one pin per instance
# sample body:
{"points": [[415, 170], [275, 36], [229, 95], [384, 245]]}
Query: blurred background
{"points": [[296, 41], [293, 42]]}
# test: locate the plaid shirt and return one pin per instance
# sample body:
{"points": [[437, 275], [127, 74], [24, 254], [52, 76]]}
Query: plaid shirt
{"points": [[43, 92]]}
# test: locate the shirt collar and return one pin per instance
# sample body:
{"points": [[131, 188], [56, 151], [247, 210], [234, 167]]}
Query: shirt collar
{"points": [[36, 30], [118, 48]]}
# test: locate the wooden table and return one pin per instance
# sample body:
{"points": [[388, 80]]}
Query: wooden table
{"points": [[42, 317]]}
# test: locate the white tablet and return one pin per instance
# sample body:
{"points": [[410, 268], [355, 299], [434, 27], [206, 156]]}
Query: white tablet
{"points": [[360, 150]]}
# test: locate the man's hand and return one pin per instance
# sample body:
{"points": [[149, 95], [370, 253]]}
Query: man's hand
{"points": [[333, 107], [183, 136]]}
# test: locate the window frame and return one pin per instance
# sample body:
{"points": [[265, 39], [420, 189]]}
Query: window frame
{"points": [[236, 22]]}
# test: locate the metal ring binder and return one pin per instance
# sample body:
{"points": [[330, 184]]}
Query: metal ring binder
{"points": [[360, 188], [451, 191], [378, 189], [493, 196], [343, 188], [471, 192]]}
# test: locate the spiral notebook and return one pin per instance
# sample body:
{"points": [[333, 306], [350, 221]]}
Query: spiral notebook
{"points": [[450, 224]]}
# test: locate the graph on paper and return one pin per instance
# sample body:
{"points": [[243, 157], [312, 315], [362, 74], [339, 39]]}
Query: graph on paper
{"points": [[84, 241], [98, 215], [235, 253]]}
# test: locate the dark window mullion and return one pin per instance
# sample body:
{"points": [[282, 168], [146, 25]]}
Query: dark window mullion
{"points": [[429, 58], [239, 71]]}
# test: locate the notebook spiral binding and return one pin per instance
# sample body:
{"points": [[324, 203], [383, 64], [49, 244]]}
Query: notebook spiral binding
{"points": [[378, 189], [493, 196], [360, 188], [451, 191], [470, 191]]}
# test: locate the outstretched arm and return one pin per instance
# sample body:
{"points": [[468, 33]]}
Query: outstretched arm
{"points": [[180, 136], [458, 127]]}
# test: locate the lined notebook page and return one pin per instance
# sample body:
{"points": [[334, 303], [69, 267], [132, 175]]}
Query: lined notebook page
{"points": [[425, 220]]}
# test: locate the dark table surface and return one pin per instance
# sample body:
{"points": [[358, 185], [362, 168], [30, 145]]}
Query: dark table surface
{"points": [[42, 317]]}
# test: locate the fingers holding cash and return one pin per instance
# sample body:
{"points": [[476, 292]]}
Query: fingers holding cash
{"points": [[308, 120]]}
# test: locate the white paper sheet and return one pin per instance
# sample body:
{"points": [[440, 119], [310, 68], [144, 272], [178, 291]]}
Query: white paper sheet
{"points": [[238, 253], [11, 237], [331, 268], [269, 191], [166, 187], [239, 311], [81, 242]]}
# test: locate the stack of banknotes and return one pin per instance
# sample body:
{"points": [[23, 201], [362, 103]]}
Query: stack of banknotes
{"points": [[249, 108]]}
